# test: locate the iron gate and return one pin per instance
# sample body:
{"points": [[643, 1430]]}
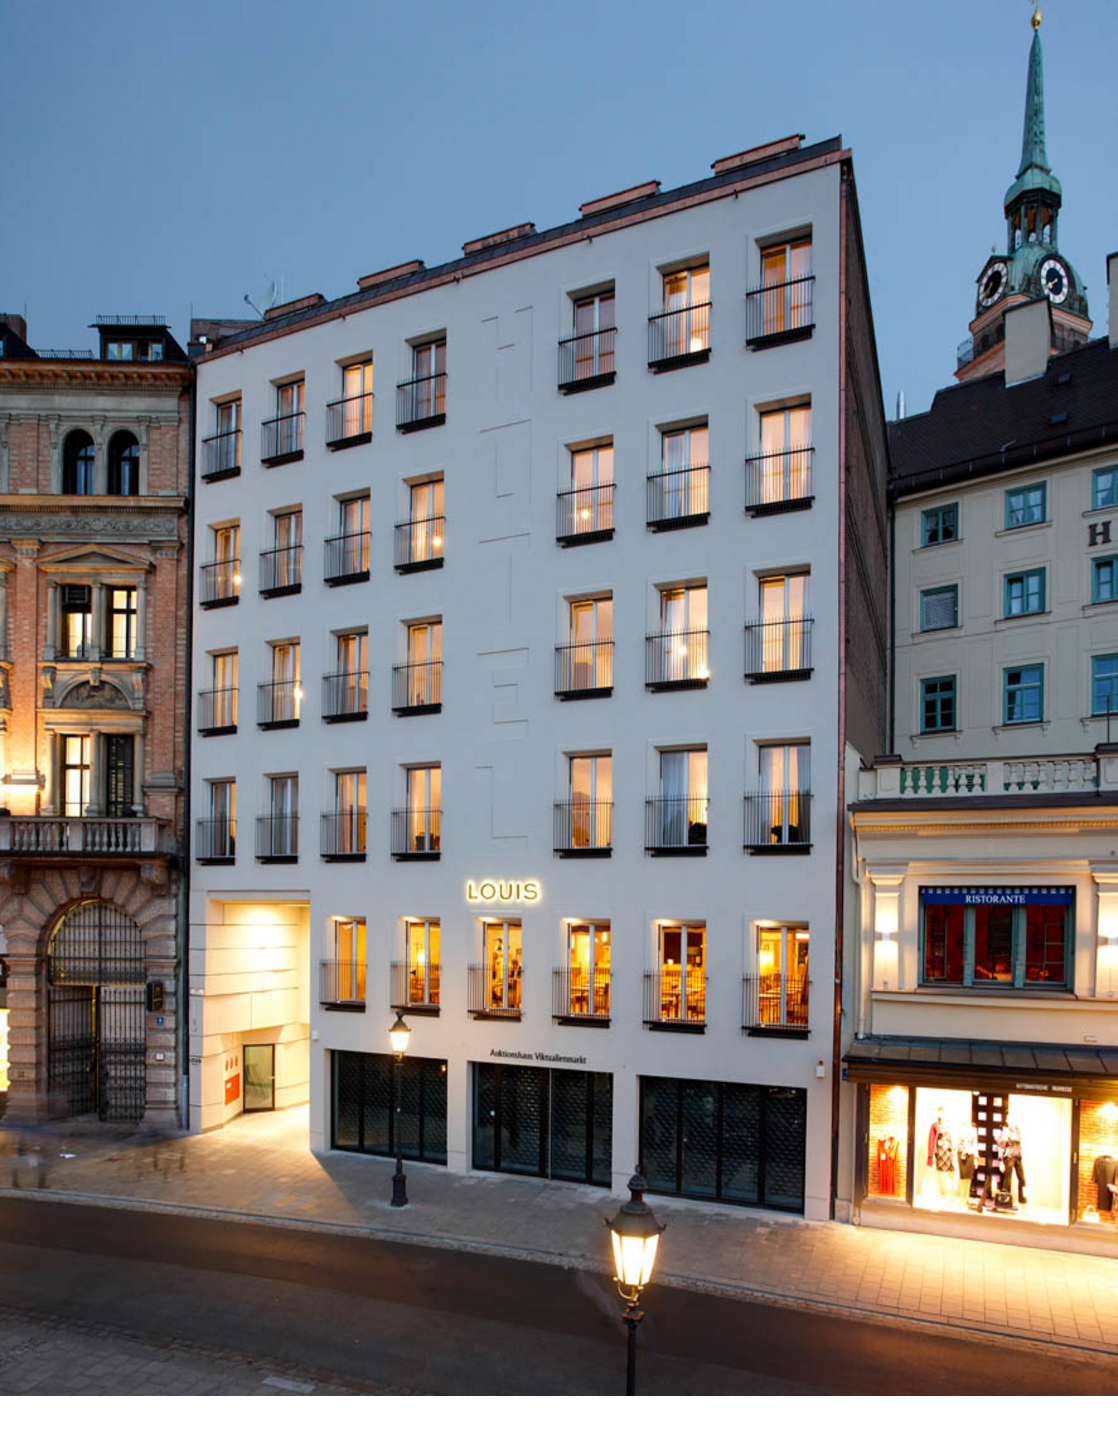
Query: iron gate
{"points": [[95, 975]]}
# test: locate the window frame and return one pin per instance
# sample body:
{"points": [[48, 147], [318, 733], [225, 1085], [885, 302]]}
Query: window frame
{"points": [[1112, 684], [131, 614], [1024, 490], [938, 701], [939, 512], [1038, 572], [935, 591], [1100, 565], [1022, 687], [432, 965], [1018, 984], [1109, 473], [354, 964]]}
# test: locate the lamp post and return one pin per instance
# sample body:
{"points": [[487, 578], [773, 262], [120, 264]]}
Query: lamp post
{"points": [[399, 1035], [635, 1233]]}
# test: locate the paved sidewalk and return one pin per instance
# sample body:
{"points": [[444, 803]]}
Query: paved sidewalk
{"points": [[259, 1167]]}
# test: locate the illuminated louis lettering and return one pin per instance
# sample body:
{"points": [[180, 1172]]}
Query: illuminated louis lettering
{"points": [[505, 892]]}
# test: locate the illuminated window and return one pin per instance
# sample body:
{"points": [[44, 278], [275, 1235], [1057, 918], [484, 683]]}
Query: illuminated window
{"points": [[1010, 940], [686, 321], [123, 622], [77, 464], [682, 974], [782, 976], [588, 970], [423, 962], [349, 963], [77, 752], [785, 272], [503, 965]]}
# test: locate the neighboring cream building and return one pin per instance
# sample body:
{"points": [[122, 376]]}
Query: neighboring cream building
{"points": [[525, 700]]}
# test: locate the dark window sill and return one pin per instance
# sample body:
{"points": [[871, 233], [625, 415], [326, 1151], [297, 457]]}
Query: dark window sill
{"points": [[345, 719], [778, 1032], [412, 567], [585, 852], [218, 604], [589, 382], [432, 1010], [218, 730], [357, 857], [771, 677], [417, 709], [348, 441], [228, 474], [417, 855], [675, 849], [588, 537], [493, 1015], [679, 362], [289, 458], [780, 337], [589, 1022], [793, 848], [273, 592], [678, 1027], [355, 578], [427, 423], [679, 522], [356, 1005], [215, 859], [277, 859], [276, 724], [780, 507], [589, 694], [659, 686]]}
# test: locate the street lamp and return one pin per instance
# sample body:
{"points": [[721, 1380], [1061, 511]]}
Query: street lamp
{"points": [[399, 1035], [635, 1233]]}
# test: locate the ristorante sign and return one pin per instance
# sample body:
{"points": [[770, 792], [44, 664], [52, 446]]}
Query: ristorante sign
{"points": [[998, 895], [503, 892]]}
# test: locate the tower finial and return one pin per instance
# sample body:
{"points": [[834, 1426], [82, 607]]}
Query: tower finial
{"points": [[1037, 17]]}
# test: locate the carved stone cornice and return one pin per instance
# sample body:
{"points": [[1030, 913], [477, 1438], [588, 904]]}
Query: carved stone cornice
{"points": [[93, 375], [144, 518]]}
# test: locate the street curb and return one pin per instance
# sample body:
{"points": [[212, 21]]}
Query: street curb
{"points": [[1027, 1339]]}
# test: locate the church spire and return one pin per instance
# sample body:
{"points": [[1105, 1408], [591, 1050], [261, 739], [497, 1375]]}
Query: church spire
{"points": [[1032, 142]]}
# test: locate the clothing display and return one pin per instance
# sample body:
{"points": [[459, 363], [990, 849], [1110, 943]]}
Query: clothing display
{"points": [[1104, 1175], [967, 1154], [941, 1146], [887, 1165], [1005, 1163]]}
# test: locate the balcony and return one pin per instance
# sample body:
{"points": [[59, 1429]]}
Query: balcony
{"points": [[419, 545], [219, 584], [676, 824], [584, 517], [281, 571], [409, 992], [778, 314], [342, 836], [342, 985], [277, 839], [416, 834], [347, 558], [217, 712], [107, 836], [417, 689], [768, 1008], [778, 480], [215, 842], [674, 1002], [277, 704], [584, 672], [421, 403], [778, 650], [281, 439], [778, 822], [587, 360], [1043, 776], [676, 499], [578, 999], [349, 421], [345, 696], [676, 660], [679, 337], [221, 455], [492, 997], [583, 829]]}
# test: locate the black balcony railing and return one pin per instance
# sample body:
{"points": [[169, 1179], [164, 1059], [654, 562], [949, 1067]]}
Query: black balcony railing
{"points": [[277, 704], [215, 842], [414, 988], [679, 337], [349, 421], [671, 998], [277, 838], [577, 998], [775, 313], [583, 827], [493, 993], [281, 570], [778, 820], [584, 516], [419, 544], [421, 402], [221, 455], [676, 824], [677, 660], [219, 583], [587, 361], [778, 649], [584, 671], [417, 689], [780, 480], [677, 498], [343, 835], [281, 439], [345, 695], [343, 984], [347, 558], [416, 834], [767, 1005], [217, 711]]}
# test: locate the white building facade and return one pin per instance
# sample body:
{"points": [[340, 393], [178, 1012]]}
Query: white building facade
{"points": [[522, 703]]}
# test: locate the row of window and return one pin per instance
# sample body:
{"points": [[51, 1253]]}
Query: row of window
{"points": [[77, 636], [1022, 695], [1024, 505], [776, 992], [79, 464], [1023, 593]]}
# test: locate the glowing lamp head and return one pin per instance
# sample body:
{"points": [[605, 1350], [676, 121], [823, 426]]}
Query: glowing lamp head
{"points": [[400, 1034], [437, 541], [236, 577], [635, 1233]]}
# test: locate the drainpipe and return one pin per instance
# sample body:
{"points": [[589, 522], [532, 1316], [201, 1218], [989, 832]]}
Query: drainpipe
{"points": [[184, 885]]}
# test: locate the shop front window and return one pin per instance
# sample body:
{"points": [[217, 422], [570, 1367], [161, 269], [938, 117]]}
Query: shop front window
{"points": [[997, 936]]}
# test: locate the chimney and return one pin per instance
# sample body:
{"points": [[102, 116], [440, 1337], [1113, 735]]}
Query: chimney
{"points": [[1028, 341], [18, 325], [1112, 283]]}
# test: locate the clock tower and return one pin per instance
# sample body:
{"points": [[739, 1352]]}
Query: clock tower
{"points": [[1033, 267]]}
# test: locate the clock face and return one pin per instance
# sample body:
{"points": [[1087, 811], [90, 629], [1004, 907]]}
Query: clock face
{"points": [[1054, 281], [991, 286]]}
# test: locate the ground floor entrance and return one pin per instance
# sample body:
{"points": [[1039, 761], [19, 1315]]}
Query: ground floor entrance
{"points": [[369, 1113], [558, 1124]]}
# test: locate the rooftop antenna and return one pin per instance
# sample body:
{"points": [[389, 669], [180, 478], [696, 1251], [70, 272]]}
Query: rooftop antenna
{"points": [[271, 300]]}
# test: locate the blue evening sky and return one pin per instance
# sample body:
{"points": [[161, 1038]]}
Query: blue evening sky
{"points": [[158, 157]]}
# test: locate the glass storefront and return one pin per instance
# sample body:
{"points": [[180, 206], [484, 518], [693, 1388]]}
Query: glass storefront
{"points": [[528, 1120], [363, 1116]]}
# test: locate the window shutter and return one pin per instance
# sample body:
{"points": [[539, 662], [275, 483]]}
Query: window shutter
{"points": [[939, 608], [75, 597]]}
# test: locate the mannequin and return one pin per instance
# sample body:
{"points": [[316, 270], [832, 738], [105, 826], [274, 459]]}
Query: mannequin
{"points": [[966, 1152], [887, 1165], [941, 1153]]}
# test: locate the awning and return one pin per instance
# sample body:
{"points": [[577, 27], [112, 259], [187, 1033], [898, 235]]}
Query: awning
{"points": [[984, 1064]]}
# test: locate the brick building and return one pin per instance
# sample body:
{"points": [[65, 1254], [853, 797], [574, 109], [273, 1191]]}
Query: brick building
{"points": [[94, 485]]}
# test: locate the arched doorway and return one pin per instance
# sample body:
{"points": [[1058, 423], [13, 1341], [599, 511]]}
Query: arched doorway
{"points": [[95, 979]]}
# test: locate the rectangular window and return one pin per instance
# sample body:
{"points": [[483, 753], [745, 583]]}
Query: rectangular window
{"points": [[591, 802], [785, 272], [425, 522], [1104, 685], [503, 958], [585, 663], [218, 709], [679, 814], [428, 396], [357, 400], [782, 471], [588, 506], [219, 838], [682, 974], [1026, 505], [678, 654], [588, 961], [352, 547], [346, 692], [939, 525], [939, 608], [423, 962], [783, 807], [782, 977], [682, 487], [1024, 694], [225, 447], [996, 936], [937, 704], [1104, 489], [785, 626], [594, 333], [348, 986], [424, 808], [76, 602], [378, 1100], [120, 754], [221, 578], [77, 751], [687, 311], [345, 829], [1104, 580], [281, 567], [123, 632], [1024, 593], [280, 838]]}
